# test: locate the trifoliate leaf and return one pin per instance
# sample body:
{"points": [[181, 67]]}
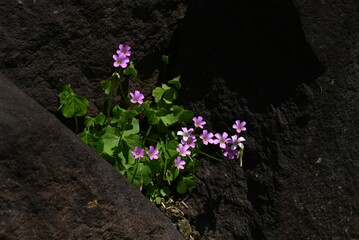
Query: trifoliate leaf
{"points": [[157, 94], [130, 70], [72, 104], [175, 82]]}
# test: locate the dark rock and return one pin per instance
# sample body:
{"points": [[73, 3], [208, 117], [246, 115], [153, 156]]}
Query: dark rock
{"points": [[296, 86], [53, 186], [288, 68]]}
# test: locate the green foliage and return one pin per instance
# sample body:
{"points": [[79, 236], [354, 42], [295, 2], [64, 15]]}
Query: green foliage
{"points": [[117, 131], [72, 105]]}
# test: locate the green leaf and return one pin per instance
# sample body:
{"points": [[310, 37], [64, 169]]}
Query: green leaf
{"points": [[170, 95], [122, 116], [155, 165], [127, 159], [92, 141], [110, 140], [186, 115], [135, 128], [183, 114], [115, 76], [65, 91], [157, 93], [106, 85], [165, 191], [175, 82], [133, 140], [72, 104], [142, 175], [153, 116], [169, 119], [130, 70], [165, 59], [89, 122], [181, 187], [189, 181], [169, 177], [101, 119]]}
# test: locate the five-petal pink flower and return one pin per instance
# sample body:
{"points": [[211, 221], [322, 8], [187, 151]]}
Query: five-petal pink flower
{"points": [[120, 60], [240, 126], [183, 150], [124, 50], [198, 122], [179, 163], [185, 133], [152, 153], [207, 137], [137, 97], [221, 139], [138, 152]]}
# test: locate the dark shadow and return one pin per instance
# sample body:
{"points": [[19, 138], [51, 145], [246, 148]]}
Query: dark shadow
{"points": [[258, 47]]}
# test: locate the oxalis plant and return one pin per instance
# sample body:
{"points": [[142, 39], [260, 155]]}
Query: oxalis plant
{"points": [[154, 143]]}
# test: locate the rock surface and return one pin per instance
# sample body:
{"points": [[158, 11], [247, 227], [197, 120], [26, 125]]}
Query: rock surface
{"points": [[288, 68], [293, 76], [53, 186]]}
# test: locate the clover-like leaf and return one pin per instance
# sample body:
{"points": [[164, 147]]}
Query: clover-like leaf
{"points": [[157, 93], [130, 70], [72, 104], [175, 82]]}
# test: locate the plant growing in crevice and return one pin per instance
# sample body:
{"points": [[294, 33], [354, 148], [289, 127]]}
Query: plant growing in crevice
{"points": [[153, 142]]}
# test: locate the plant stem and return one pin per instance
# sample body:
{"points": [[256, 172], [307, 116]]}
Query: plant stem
{"points": [[121, 91], [148, 132], [165, 168], [133, 177], [113, 92], [210, 156]]}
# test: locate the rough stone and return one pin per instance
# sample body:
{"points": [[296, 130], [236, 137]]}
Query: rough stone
{"points": [[53, 186], [288, 68]]}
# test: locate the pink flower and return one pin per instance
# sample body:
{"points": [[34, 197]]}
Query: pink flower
{"points": [[206, 137], [185, 133], [179, 163], [124, 50], [137, 97], [221, 139], [236, 141], [138, 152], [230, 153], [240, 126], [183, 150], [120, 60], [198, 122], [191, 141], [152, 153]]}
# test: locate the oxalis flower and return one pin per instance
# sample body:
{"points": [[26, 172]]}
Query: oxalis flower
{"points": [[120, 60], [185, 133], [221, 139], [191, 142], [152, 153], [239, 126], [137, 97], [230, 153], [183, 150], [138, 152], [198, 122], [236, 141], [206, 137], [124, 49], [179, 163]]}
